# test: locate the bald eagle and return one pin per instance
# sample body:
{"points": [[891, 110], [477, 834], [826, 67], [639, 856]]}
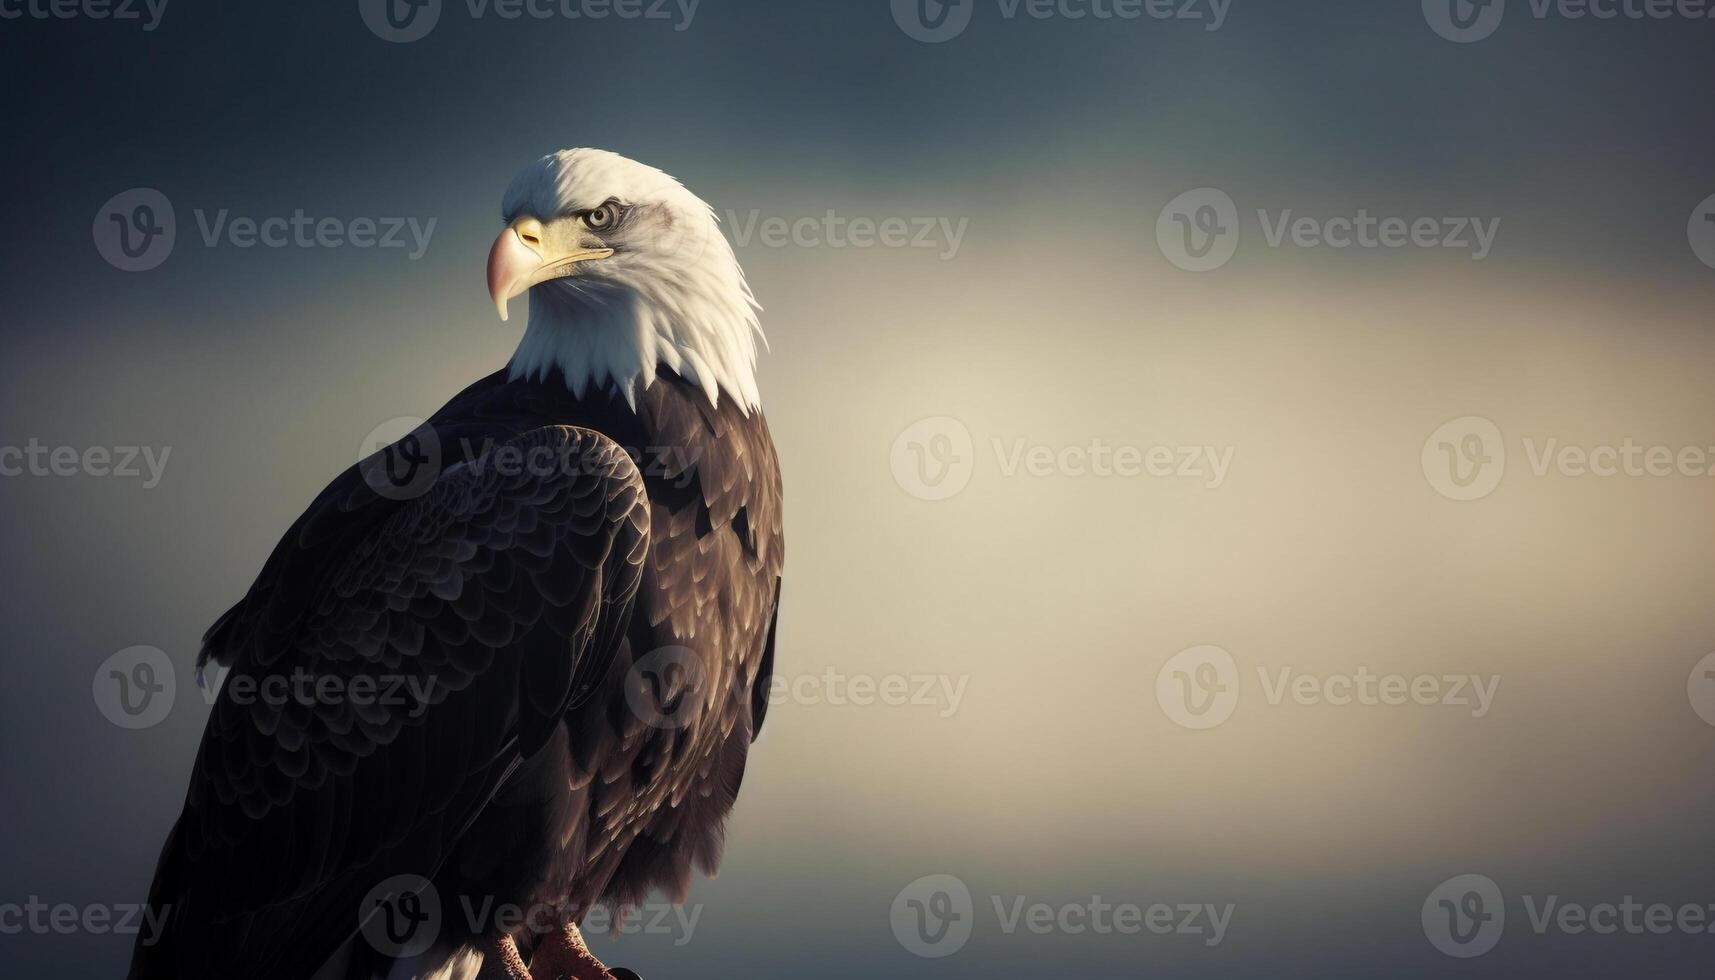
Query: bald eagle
{"points": [[568, 578]]}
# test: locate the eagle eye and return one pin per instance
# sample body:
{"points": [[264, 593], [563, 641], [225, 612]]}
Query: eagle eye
{"points": [[602, 218]]}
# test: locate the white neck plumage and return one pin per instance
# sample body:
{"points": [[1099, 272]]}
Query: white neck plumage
{"points": [[616, 328]]}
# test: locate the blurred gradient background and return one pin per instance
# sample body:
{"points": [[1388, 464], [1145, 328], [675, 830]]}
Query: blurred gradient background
{"points": [[1058, 320]]}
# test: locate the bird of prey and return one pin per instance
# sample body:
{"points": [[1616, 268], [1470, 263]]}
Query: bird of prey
{"points": [[567, 579]]}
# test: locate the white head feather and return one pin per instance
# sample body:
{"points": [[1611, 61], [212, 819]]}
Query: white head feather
{"points": [[672, 294]]}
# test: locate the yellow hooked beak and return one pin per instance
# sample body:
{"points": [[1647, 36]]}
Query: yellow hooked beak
{"points": [[530, 252]]}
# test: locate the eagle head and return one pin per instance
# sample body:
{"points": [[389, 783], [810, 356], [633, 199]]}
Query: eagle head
{"points": [[626, 271]]}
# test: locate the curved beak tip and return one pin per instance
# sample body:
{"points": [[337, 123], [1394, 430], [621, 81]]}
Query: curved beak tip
{"points": [[508, 261]]}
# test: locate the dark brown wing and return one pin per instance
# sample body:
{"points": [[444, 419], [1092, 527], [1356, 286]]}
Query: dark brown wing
{"points": [[482, 606]]}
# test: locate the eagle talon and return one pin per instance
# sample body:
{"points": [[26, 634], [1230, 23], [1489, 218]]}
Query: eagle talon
{"points": [[563, 956]]}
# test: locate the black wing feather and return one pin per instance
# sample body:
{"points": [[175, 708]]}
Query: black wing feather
{"points": [[496, 593]]}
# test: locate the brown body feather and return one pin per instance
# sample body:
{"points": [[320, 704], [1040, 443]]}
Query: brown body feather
{"points": [[595, 637]]}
